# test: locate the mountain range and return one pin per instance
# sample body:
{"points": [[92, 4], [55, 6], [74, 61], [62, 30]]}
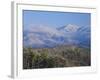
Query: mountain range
{"points": [[47, 37]]}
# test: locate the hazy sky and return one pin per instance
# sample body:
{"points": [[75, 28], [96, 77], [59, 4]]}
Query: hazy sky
{"points": [[54, 19]]}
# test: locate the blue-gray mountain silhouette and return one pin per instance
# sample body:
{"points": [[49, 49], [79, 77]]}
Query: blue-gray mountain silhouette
{"points": [[48, 37]]}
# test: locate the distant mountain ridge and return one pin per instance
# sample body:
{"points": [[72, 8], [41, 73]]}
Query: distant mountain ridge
{"points": [[43, 36]]}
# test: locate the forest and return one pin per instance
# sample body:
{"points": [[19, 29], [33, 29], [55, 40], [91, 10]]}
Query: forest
{"points": [[61, 56]]}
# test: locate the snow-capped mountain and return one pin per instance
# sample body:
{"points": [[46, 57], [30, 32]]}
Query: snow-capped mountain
{"points": [[69, 28], [43, 36]]}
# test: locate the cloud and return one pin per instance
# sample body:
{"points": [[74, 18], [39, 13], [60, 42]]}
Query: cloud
{"points": [[50, 31], [46, 35]]}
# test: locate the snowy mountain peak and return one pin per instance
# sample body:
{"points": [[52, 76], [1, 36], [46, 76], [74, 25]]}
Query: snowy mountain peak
{"points": [[44, 36], [70, 28]]}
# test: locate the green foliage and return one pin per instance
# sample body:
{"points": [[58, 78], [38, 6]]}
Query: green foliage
{"points": [[56, 57]]}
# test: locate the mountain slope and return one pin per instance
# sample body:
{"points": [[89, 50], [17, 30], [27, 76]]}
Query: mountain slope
{"points": [[43, 36]]}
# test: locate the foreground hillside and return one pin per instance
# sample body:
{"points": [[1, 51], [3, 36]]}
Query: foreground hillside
{"points": [[62, 56]]}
